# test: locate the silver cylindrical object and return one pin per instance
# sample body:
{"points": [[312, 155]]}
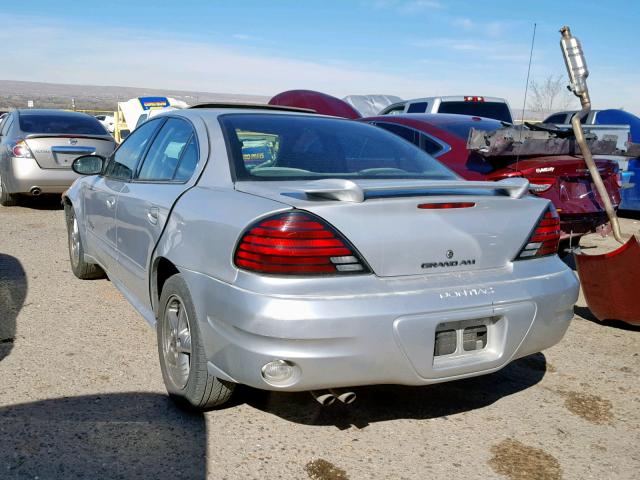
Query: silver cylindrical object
{"points": [[574, 60]]}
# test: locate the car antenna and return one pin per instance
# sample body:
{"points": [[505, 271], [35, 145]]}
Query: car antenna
{"points": [[526, 89]]}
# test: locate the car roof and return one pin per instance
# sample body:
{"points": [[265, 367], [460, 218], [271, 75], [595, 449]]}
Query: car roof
{"points": [[210, 113], [51, 111]]}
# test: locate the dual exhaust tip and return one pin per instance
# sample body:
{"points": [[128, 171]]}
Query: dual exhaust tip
{"points": [[328, 397]]}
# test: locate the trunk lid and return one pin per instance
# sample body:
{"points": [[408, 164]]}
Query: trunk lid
{"points": [[398, 238], [571, 188], [59, 151]]}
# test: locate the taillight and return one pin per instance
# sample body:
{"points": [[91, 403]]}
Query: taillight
{"points": [[473, 99], [21, 150], [619, 179], [539, 185], [296, 243], [545, 238]]}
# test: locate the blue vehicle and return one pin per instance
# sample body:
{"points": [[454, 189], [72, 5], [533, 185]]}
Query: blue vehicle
{"points": [[630, 197]]}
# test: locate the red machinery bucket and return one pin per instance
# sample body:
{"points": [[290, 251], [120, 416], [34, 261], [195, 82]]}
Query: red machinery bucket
{"points": [[611, 282]]}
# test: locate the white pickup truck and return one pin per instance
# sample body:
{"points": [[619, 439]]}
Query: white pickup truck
{"points": [[478, 106]]}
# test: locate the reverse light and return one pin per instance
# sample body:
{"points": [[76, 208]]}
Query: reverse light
{"points": [[545, 238], [296, 243], [539, 185], [21, 150]]}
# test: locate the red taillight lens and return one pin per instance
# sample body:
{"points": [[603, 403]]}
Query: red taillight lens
{"points": [[545, 238], [21, 150], [296, 243]]}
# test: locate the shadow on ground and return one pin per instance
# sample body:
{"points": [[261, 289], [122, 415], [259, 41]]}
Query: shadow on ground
{"points": [[115, 436], [391, 402], [633, 214], [586, 314], [13, 290], [43, 202]]}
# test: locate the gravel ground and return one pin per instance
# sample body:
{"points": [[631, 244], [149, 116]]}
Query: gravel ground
{"points": [[81, 396]]}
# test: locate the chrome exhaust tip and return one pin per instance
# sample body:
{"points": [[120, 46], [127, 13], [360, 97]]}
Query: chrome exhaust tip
{"points": [[323, 397], [35, 191], [344, 396]]}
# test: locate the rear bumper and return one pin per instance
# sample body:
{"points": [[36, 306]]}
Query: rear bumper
{"points": [[581, 223], [21, 175], [385, 334]]}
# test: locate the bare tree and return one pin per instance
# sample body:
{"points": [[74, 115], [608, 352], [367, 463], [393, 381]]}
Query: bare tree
{"points": [[549, 95]]}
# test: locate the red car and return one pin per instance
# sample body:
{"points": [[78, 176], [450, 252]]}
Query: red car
{"points": [[563, 179]]}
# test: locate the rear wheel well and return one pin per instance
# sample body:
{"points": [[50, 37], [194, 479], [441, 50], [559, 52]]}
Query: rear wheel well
{"points": [[164, 270]]}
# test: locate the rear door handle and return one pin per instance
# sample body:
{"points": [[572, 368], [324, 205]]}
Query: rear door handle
{"points": [[111, 202], [152, 215]]}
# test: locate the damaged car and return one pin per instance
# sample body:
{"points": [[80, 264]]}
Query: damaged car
{"points": [[345, 257]]}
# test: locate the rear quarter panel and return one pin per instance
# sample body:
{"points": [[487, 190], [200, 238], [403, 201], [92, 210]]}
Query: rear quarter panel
{"points": [[204, 227]]}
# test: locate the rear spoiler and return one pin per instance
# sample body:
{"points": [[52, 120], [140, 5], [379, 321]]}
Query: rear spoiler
{"points": [[350, 191]]}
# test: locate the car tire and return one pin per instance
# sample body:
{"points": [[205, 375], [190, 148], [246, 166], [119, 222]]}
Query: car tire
{"points": [[182, 357], [81, 269], [6, 199]]}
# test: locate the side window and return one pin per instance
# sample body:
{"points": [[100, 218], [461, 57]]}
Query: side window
{"points": [[394, 110], [123, 162], [166, 151], [404, 132], [418, 107], [188, 161], [557, 118], [6, 125], [429, 145], [419, 139], [141, 119]]}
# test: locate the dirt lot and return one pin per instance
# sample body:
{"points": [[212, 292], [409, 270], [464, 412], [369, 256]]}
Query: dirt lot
{"points": [[81, 396]]}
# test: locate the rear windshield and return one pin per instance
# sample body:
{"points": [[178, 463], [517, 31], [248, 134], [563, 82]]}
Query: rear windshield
{"points": [[497, 110], [293, 147], [52, 123], [461, 129]]}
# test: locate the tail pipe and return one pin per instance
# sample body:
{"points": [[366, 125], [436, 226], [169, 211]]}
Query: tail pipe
{"points": [[578, 73], [35, 191], [323, 397], [344, 396]]}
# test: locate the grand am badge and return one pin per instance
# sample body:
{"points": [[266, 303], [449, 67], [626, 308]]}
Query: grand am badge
{"points": [[449, 263]]}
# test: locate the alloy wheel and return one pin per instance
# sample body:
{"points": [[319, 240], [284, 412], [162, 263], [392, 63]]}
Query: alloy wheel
{"points": [[176, 341]]}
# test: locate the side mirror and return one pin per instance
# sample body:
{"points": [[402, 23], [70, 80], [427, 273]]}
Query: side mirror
{"points": [[88, 164]]}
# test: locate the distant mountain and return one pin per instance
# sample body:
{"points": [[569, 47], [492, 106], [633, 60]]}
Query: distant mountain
{"points": [[16, 94]]}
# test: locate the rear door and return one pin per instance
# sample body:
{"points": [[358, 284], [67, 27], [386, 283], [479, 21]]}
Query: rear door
{"points": [[101, 196], [145, 203]]}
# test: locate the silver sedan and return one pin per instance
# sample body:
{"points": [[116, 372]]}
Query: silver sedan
{"points": [[291, 251], [38, 146]]}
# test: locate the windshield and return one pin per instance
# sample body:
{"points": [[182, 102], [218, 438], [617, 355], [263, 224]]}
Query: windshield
{"points": [[497, 110], [293, 147], [77, 124]]}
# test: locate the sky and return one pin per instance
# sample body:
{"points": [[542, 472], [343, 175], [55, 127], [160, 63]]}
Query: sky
{"points": [[409, 48]]}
